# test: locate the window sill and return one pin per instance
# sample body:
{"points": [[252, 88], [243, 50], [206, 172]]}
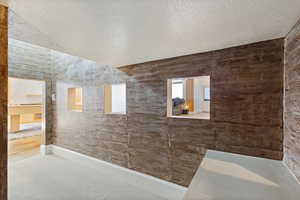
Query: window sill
{"points": [[115, 113], [207, 117], [76, 111]]}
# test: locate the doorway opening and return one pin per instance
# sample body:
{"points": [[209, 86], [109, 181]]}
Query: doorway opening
{"points": [[26, 118]]}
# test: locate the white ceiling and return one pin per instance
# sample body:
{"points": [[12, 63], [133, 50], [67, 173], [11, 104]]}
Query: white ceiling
{"points": [[122, 32]]}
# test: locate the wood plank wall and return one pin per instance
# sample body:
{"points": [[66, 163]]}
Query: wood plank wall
{"points": [[246, 110], [3, 101], [292, 101]]}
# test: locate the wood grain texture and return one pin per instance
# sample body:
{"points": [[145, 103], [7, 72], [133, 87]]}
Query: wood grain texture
{"points": [[3, 102], [246, 110], [107, 98], [19, 147], [190, 94], [292, 101]]}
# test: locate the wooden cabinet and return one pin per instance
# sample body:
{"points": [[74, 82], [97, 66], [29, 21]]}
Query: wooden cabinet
{"points": [[15, 114]]}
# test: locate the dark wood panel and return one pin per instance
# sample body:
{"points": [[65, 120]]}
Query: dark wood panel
{"points": [[3, 102], [246, 110], [292, 101]]}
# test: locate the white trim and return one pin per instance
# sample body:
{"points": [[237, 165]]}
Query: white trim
{"points": [[155, 185], [45, 150]]}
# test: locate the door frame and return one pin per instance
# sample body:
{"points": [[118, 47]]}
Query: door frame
{"points": [[44, 104]]}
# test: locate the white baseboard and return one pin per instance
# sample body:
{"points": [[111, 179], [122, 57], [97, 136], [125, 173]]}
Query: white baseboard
{"points": [[45, 150], [146, 182]]}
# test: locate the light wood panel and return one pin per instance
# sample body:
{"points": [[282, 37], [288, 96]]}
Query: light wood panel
{"points": [[14, 123], [31, 118], [24, 109], [23, 145], [107, 98], [190, 94], [15, 112], [75, 99]]}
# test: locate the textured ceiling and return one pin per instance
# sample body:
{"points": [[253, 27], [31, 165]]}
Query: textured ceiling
{"points": [[122, 32]]}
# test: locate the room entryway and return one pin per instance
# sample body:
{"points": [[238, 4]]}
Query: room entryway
{"points": [[25, 118]]}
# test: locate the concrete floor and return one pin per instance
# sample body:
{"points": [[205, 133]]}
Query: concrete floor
{"points": [[225, 176], [52, 177], [20, 156], [221, 176]]}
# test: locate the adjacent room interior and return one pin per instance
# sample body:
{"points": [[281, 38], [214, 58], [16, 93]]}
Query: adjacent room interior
{"points": [[149, 100], [25, 118], [189, 97]]}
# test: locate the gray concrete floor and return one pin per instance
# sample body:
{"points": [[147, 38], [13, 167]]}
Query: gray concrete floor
{"points": [[221, 176], [55, 178], [225, 176]]}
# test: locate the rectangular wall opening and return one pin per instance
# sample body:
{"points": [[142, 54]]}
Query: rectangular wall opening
{"points": [[115, 99], [75, 103], [26, 118], [189, 97]]}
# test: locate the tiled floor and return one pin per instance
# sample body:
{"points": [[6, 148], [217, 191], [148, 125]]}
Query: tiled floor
{"points": [[55, 178]]}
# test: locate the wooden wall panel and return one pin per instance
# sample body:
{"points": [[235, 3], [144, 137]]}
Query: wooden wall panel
{"points": [[190, 94], [108, 98], [246, 110], [292, 101], [3, 102], [75, 99]]}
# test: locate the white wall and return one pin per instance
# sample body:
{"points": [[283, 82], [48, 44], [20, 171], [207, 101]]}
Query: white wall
{"points": [[21, 91], [199, 85], [119, 98]]}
